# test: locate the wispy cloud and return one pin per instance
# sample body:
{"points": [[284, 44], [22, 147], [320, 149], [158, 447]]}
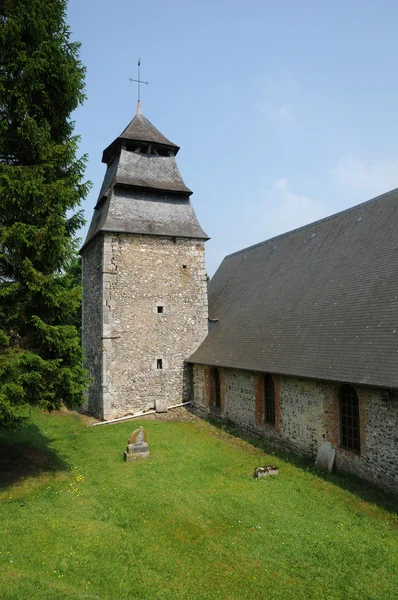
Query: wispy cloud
{"points": [[286, 210], [277, 100], [275, 210], [371, 177], [286, 113]]}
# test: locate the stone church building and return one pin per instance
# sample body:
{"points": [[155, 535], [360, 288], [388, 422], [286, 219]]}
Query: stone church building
{"points": [[297, 342], [144, 278]]}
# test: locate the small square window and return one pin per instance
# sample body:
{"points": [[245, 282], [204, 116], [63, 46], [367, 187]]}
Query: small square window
{"points": [[159, 363], [160, 310], [184, 266]]}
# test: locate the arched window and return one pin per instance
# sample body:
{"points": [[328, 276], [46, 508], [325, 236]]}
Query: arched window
{"points": [[269, 400], [217, 388], [349, 418]]}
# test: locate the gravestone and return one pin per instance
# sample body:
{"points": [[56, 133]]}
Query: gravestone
{"points": [[266, 471], [325, 457], [160, 405], [137, 446]]}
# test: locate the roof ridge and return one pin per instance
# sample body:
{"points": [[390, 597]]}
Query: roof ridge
{"points": [[141, 130], [313, 223], [140, 117]]}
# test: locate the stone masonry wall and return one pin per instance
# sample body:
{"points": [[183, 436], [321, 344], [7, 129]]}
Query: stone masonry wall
{"points": [[154, 315], [92, 258], [307, 414]]}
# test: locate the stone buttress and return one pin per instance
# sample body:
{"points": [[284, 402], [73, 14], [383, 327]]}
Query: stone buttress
{"points": [[144, 278]]}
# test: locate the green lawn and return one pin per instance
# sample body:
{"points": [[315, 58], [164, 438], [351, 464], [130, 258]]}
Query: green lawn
{"points": [[189, 522]]}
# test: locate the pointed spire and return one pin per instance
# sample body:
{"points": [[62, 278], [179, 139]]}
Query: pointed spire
{"points": [[139, 130]]}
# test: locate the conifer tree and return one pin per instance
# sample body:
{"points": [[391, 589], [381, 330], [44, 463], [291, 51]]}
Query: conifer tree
{"points": [[41, 185]]}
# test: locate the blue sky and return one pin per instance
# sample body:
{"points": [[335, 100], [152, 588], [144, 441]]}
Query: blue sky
{"points": [[285, 112]]}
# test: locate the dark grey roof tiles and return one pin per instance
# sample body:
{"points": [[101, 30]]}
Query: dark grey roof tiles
{"points": [[318, 302], [140, 212], [148, 170], [140, 130], [144, 193], [144, 171], [97, 222], [109, 179]]}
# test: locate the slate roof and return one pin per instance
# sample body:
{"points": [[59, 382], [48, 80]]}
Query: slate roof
{"points": [[144, 193], [141, 212], [139, 129], [144, 171], [318, 302]]}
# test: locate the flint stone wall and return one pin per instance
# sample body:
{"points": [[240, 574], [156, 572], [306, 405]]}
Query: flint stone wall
{"points": [[307, 414], [92, 267], [139, 274]]}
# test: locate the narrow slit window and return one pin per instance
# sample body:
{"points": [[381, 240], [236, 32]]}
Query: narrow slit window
{"points": [[217, 388], [349, 418], [159, 363], [269, 400]]}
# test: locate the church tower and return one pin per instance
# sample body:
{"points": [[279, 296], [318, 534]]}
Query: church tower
{"points": [[144, 278]]}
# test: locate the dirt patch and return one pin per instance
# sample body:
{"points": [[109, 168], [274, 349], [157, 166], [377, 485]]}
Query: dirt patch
{"points": [[10, 454], [18, 461], [65, 412], [181, 413], [175, 414], [87, 419], [36, 457]]}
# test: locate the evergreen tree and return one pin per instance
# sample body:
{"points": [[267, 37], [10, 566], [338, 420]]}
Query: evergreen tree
{"points": [[72, 280], [41, 184]]}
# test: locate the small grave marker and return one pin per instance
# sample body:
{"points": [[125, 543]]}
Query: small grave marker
{"points": [[160, 405], [137, 446], [325, 457], [260, 472]]}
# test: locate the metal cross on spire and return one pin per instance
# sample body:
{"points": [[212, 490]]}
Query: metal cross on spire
{"points": [[139, 83]]}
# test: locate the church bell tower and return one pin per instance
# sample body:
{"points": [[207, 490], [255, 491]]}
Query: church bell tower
{"points": [[144, 278]]}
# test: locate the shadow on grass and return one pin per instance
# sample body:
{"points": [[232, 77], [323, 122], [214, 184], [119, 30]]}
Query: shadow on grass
{"points": [[26, 453], [363, 490]]}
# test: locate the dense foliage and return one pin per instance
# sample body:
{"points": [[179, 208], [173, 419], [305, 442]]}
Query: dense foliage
{"points": [[41, 184]]}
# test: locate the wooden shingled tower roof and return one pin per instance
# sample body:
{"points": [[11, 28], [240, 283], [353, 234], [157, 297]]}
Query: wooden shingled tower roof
{"points": [[140, 129], [143, 191]]}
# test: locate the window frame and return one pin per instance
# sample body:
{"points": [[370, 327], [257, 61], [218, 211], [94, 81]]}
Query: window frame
{"points": [[217, 388], [269, 400], [350, 426]]}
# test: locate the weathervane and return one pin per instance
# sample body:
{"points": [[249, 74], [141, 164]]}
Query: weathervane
{"points": [[139, 83]]}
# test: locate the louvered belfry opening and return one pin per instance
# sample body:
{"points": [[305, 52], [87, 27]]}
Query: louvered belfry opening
{"points": [[269, 400], [349, 418]]}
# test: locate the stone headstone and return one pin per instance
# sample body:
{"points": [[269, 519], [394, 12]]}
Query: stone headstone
{"points": [[160, 405], [325, 457], [260, 472], [138, 436], [137, 446]]}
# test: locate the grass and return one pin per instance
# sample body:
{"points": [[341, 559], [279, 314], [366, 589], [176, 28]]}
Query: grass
{"points": [[190, 522]]}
